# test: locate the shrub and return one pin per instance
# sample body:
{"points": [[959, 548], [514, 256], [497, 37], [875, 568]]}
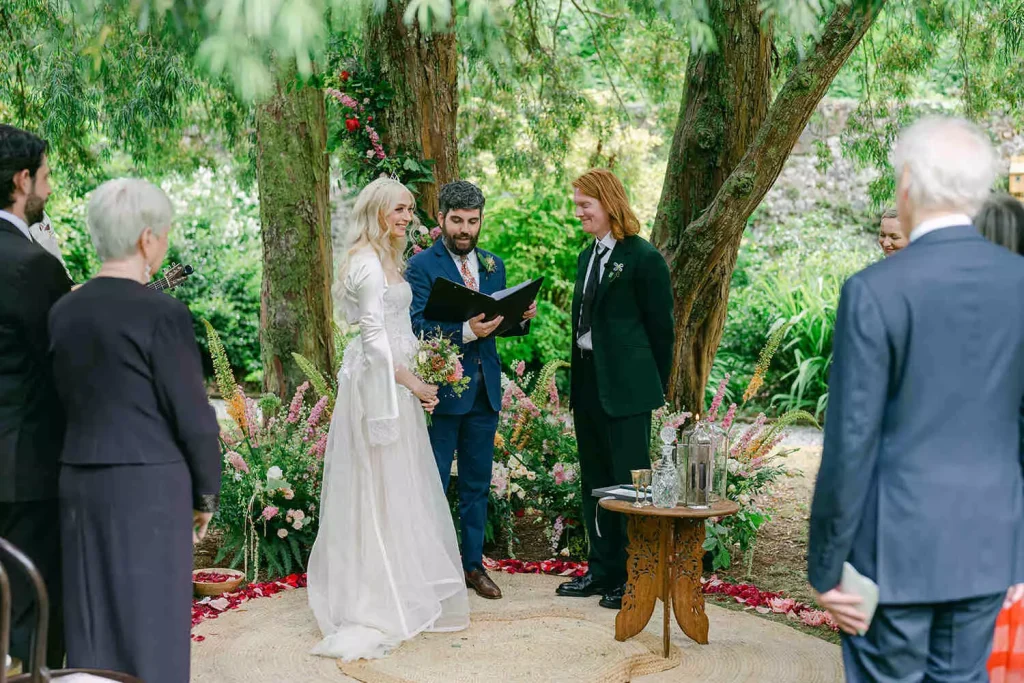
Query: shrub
{"points": [[270, 482]]}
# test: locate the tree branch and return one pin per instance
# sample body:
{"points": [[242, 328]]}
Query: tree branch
{"points": [[754, 175]]}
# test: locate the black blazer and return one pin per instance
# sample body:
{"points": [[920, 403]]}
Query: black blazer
{"points": [[131, 382], [31, 419]]}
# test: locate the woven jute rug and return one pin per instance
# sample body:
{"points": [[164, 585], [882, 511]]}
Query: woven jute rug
{"points": [[529, 636]]}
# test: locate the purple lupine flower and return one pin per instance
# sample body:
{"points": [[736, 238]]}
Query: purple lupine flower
{"points": [[320, 447], [317, 412], [716, 403], [296, 406], [730, 415]]}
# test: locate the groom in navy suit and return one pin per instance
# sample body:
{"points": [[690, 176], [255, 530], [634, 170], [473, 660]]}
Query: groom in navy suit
{"points": [[465, 423]]}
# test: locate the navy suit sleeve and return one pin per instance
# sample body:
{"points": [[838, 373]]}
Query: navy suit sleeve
{"points": [[421, 284], [858, 387]]}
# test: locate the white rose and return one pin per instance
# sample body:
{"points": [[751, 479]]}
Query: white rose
{"points": [[565, 552], [274, 473], [282, 533], [530, 476], [297, 526], [521, 493]]}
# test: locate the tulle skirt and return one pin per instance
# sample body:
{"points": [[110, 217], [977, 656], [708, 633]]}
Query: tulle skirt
{"points": [[385, 565]]}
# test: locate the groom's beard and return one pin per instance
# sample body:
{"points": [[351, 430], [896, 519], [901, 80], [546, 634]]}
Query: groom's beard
{"points": [[34, 206], [449, 242]]}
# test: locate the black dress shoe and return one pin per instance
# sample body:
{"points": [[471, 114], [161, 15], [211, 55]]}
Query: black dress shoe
{"points": [[581, 587], [613, 598]]}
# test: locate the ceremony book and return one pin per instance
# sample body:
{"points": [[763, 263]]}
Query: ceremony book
{"points": [[622, 492], [451, 302], [855, 583]]}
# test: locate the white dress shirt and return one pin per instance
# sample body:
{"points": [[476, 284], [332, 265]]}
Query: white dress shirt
{"points": [[586, 341], [19, 223], [952, 220], [474, 268]]}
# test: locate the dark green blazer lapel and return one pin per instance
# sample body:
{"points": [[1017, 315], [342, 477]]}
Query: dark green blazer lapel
{"points": [[577, 292], [622, 253]]}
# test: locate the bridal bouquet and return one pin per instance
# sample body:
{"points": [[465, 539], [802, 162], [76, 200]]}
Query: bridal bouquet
{"points": [[438, 362]]}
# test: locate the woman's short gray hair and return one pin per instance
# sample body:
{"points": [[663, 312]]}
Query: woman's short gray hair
{"points": [[120, 210], [890, 212], [951, 164]]}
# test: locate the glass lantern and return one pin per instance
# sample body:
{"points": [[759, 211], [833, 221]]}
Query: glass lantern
{"points": [[698, 470], [720, 480]]}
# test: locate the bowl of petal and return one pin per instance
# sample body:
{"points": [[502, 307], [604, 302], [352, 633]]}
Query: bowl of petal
{"points": [[208, 582]]}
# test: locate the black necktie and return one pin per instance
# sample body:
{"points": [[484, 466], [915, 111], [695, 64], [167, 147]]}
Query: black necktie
{"points": [[590, 291]]}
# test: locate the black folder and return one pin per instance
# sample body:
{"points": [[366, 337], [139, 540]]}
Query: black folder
{"points": [[451, 302]]}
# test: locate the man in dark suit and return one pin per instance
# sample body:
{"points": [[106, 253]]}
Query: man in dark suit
{"points": [[31, 418], [920, 487], [623, 336], [465, 423]]}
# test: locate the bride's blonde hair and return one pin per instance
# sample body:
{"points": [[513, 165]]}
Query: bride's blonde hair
{"points": [[370, 228]]}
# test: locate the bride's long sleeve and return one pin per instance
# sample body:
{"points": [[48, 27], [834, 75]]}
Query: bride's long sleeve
{"points": [[378, 387]]}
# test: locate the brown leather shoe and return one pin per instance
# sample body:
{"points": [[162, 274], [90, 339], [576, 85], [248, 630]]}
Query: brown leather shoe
{"points": [[482, 584]]}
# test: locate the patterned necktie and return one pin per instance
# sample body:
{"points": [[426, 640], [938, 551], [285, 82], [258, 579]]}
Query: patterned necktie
{"points": [[467, 275]]}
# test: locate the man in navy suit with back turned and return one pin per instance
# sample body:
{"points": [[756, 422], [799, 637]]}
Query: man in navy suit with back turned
{"points": [[921, 487], [466, 423], [31, 417]]}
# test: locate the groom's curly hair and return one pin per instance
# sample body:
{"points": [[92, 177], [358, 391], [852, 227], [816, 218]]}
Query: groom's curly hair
{"points": [[460, 195]]}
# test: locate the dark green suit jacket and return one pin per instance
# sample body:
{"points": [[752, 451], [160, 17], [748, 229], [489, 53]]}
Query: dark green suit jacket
{"points": [[632, 329]]}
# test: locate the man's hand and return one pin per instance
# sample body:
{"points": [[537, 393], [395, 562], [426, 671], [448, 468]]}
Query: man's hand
{"points": [[844, 610], [482, 329], [1013, 595], [531, 312]]}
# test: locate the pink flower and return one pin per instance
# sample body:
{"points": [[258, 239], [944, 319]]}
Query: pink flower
{"points": [[730, 415], [520, 368], [716, 403], [296, 406], [781, 605], [813, 617], [236, 461], [677, 421], [748, 435], [553, 395], [288, 494], [320, 447], [268, 512], [558, 473], [344, 99], [282, 533], [435, 233], [318, 412], [416, 248], [529, 407]]}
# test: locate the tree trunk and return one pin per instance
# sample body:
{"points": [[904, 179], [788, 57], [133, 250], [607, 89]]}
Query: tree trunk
{"points": [[423, 71], [729, 148], [293, 176], [726, 100]]}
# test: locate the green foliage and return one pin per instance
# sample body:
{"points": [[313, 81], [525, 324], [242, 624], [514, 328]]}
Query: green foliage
{"points": [[536, 237], [791, 275]]}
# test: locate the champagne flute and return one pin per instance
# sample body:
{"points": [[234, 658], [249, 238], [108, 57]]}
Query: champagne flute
{"points": [[638, 481], [646, 477]]}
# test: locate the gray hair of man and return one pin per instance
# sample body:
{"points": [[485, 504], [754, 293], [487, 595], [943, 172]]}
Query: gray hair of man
{"points": [[119, 212], [948, 165]]}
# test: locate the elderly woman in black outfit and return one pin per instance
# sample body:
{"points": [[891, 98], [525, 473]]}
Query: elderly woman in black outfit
{"points": [[140, 469]]}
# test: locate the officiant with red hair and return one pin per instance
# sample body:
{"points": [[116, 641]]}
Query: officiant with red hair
{"points": [[623, 335]]}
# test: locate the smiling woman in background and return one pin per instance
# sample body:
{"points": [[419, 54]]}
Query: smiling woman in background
{"points": [[890, 238]]}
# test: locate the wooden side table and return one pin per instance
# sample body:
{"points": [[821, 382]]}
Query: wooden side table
{"points": [[666, 549]]}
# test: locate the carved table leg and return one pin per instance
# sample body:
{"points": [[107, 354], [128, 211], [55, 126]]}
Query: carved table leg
{"points": [[644, 580], [687, 596], [665, 552]]}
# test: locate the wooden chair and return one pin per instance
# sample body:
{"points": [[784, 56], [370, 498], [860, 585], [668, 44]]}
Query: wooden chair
{"points": [[37, 670]]}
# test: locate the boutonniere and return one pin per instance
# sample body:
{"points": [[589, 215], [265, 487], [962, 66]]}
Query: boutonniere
{"points": [[616, 271], [488, 263]]}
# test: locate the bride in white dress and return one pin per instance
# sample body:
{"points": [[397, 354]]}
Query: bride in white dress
{"points": [[385, 565]]}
